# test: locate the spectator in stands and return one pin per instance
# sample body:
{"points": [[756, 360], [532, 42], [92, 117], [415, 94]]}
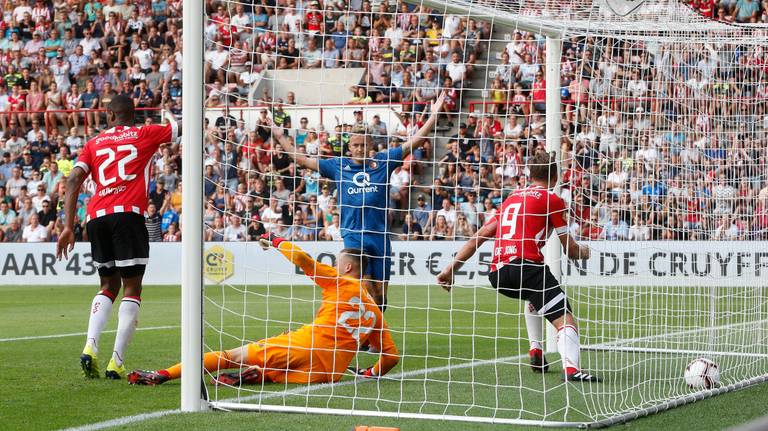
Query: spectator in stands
{"points": [[15, 183], [7, 215], [471, 209], [40, 197], [399, 191], [332, 231], [47, 215], [637, 154], [591, 229], [215, 231], [255, 228], [448, 213], [746, 11], [173, 234], [154, 224], [331, 55], [441, 230], [312, 56], [14, 233], [411, 229], [426, 90], [616, 229], [34, 232], [639, 231], [463, 230], [299, 231], [235, 231], [728, 229]]}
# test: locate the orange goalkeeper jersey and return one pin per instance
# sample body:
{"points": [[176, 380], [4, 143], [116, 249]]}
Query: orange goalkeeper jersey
{"points": [[347, 318]]}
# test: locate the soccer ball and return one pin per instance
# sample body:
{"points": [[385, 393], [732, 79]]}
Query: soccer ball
{"points": [[702, 373]]}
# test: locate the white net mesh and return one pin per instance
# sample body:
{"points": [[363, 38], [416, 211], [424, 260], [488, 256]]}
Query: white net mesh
{"points": [[663, 171]]}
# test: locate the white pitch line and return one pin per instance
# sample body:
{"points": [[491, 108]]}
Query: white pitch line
{"points": [[394, 377], [703, 331], [125, 420], [79, 334]]}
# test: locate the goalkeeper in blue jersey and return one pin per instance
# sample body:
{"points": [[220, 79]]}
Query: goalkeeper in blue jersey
{"points": [[363, 194]]}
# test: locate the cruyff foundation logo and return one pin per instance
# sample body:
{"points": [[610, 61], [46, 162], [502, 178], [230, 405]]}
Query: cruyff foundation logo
{"points": [[218, 264]]}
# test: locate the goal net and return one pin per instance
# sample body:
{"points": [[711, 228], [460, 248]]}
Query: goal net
{"points": [[658, 117]]}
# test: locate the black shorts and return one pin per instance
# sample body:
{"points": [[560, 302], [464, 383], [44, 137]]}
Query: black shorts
{"points": [[119, 243], [534, 283]]}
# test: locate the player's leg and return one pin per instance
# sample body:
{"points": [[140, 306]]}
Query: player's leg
{"points": [[534, 325], [212, 362], [376, 278], [281, 359], [552, 303], [101, 308], [253, 360], [509, 281], [131, 245], [127, 320], [103, 256]]}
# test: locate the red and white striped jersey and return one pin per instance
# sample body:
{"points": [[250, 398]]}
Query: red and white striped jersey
{"points": [[119, 161], [524, 223]]}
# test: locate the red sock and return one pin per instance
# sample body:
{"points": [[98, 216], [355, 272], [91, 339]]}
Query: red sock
{"points": [[212, 361]]}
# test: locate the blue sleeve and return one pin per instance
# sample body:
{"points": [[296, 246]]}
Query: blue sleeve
{"points": [[393, 157], [330, 168]]}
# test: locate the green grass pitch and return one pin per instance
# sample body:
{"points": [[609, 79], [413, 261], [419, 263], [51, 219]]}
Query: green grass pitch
{"points": [[43, 389]]}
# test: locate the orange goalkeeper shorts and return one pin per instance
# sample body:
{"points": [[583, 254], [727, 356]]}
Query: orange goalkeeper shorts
{"points": [[287, 360]]}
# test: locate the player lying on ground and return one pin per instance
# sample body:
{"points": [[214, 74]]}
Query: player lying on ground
{"points": [[118, 159], [316, 353], [520, 229], [363, 193]]}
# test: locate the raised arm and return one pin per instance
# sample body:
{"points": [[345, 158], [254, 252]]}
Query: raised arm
{"points": [[302, 160], [417, 140], [488, 231], [321, 273], [66, 241], [399, 115]]}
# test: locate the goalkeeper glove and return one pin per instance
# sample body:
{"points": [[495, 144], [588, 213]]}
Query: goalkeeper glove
{"points": [[366, 373], [268, 239]]}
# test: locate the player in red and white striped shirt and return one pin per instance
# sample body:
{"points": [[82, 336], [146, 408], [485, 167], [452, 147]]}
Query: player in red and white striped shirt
{"points": [[119, 161], [520, 229]]}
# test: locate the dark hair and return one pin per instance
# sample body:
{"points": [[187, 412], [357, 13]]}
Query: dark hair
{"points": [[361, 258], [123, 107], [543, 166]]}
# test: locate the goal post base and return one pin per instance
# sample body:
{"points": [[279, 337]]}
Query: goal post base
{"points": [[231, 406], [677, 402], [625, 417]]}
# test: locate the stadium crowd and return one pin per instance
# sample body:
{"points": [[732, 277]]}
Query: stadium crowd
{"points": [[662, 142]]}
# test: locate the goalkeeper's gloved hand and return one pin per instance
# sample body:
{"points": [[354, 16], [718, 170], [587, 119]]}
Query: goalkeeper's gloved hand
{"points": [[366, 373], [270, 239]]}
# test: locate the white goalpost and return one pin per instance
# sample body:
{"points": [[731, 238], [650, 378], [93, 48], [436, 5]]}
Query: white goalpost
{"points": [[657, 118], [192, 216]]}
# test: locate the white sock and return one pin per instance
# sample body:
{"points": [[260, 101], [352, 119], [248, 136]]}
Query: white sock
{"points": [[534, 325], [101, 307], [126, 326], [568, 346]]}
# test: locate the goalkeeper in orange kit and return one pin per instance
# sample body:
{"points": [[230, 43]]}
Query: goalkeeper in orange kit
{"points": [[316, 353]]}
